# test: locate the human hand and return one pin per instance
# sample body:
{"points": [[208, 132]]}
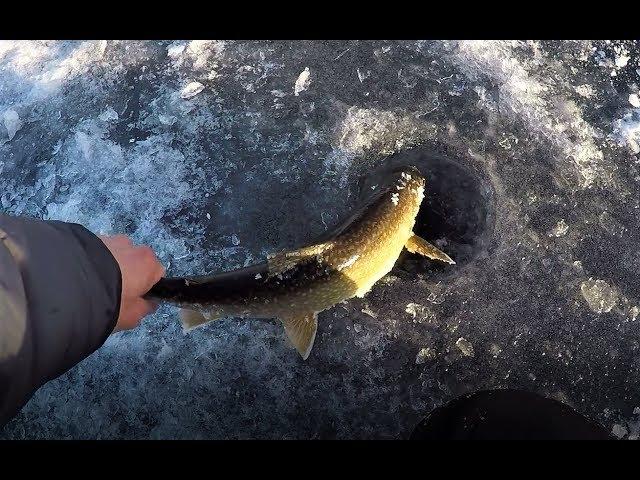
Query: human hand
{"points": [[140, 270]]}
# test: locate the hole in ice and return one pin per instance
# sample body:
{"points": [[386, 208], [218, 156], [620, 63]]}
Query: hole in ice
{"points": [[456, 214]]}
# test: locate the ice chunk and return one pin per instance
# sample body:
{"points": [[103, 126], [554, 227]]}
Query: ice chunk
{"points": [[191, 90], [600, 296], [367, 311], [622, 61], [303, 81], [12, 122], [585, 91], [414, 309], [627, 130], [560, 229], [167, 119], [634, 100], [363, 75], [175, 49], [235, 240], [108, 115], [423, 355], [465, 347], [619, 431], [56, 147]]}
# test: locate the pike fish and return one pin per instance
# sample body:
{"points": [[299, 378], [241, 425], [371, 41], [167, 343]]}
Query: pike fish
{"points": [[295, 285]]}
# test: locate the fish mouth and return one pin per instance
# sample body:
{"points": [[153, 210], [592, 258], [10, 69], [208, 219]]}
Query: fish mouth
{"points": [[408, 170]]}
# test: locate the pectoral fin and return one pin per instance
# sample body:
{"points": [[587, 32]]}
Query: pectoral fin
{"points": [[419, 245], [301, 330]]}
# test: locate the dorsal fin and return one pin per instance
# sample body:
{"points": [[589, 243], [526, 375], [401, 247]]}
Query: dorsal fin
{"points": [[359, 212], [283, 261]]}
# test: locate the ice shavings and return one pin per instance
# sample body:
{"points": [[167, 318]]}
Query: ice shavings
{"points": [[46, 67], [107, 188], [525, 96]]}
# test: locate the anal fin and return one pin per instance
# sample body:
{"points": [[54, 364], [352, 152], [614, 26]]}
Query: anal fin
{"points": [[301, 330], [419, 245], [192, 318]]}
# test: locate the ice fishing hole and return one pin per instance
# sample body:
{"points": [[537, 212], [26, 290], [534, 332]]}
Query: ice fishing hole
{"points": [[456, 214]]}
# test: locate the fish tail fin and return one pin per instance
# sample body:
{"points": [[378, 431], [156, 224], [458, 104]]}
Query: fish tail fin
{"points": [[301, 330]]}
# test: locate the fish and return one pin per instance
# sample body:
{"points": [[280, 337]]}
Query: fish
{"points": [[295, 285]]}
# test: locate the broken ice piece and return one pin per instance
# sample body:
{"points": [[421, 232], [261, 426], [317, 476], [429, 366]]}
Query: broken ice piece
{"points": [[600, 296], [12, 122], [108, 115], [619, 431], [362, 76], [167, 119], [423, 355], [235, 240], [465, 347], [191, 90], [560, 229], [622, 61], [175, 49], [303, 81], [634, 100], [57, 147]]}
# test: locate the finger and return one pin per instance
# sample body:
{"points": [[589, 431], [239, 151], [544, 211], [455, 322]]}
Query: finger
{"points": [[153, 266]]}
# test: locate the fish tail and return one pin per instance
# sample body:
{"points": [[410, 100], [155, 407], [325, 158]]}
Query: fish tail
{"points": [[168, 289]]}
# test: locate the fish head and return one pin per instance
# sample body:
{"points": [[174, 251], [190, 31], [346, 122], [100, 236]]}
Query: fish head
{"points": [[409, 178]]}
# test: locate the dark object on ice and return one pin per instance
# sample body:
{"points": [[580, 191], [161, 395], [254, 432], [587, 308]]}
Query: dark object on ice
{"points": [[507, 415]]}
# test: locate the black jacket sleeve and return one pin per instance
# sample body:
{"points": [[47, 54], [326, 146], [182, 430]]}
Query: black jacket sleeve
{"points": [[60, 293]]}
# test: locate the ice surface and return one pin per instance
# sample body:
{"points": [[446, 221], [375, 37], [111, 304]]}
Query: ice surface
{"points": [[544, 296]]}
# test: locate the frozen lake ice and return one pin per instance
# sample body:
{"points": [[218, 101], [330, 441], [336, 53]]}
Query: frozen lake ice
{"points": [[216, 153]]}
